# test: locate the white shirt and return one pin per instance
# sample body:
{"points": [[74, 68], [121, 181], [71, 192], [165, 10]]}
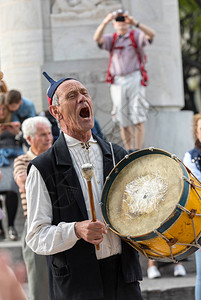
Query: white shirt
{"points": [[191, 165], [45, 238]]}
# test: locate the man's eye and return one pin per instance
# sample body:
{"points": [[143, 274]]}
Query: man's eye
{"points": [[71, 96]]}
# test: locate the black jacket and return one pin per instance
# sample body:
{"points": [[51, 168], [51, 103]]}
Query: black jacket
{"points": [[74, 274]]}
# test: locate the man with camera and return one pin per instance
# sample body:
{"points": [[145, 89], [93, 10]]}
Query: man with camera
{"points": [[126, 73]]}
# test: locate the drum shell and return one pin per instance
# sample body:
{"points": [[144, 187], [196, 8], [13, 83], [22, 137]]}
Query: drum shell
{"points": [[176, 236]]}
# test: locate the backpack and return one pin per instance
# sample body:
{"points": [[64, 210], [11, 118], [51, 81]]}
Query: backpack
{"points": [[110, 77]]}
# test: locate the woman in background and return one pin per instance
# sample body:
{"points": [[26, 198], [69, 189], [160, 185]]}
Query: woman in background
{"points": [[10, 147], [192, 159]]}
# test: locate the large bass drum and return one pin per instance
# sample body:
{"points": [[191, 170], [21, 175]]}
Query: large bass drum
{"points": [[151, 200]]}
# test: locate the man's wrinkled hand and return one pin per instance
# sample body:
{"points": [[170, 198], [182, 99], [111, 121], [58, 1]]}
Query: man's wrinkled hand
{"points": [[91, 232]]}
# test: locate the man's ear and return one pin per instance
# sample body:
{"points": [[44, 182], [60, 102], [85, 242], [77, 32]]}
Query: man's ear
{"points": [[29, 140], [55, 112]]}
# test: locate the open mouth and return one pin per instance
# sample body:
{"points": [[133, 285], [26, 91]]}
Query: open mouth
{"points": [[84, 112]]}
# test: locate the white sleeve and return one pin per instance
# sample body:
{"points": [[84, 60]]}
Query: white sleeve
{"points": [[191, 165], [43, 237]]}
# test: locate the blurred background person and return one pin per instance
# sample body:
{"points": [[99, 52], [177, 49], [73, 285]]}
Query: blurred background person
{"points": [[192, 159], [21, 107], [153, 271], [38, 134], [97, 129], [10, 286], [10, 147], [127, 74]]}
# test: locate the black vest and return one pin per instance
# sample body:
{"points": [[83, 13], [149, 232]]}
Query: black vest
{"points": [[74, 274]]}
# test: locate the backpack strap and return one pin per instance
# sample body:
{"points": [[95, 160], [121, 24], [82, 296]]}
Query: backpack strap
{"points": [[144, 80], [110, 77]]}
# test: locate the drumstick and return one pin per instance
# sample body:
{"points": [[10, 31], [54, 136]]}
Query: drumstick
{"points": [[87, 173]]}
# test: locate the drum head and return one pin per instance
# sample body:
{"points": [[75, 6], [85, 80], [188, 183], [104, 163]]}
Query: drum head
{"points": [[142, 192]]}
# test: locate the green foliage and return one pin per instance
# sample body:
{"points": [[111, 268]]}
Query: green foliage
{"points": [[190, 26]]}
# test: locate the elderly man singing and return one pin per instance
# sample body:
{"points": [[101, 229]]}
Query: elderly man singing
{"points": [[59, 215]]}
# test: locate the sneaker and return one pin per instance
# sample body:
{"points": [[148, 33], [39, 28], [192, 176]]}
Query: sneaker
{"points": [[12, 233], [179, 270], [153, 272]]}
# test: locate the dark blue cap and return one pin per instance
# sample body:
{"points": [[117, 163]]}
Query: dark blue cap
{"points": [[53, 86]]}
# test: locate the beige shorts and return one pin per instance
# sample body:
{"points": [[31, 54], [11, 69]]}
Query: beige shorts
{"points": [[128, 97]]}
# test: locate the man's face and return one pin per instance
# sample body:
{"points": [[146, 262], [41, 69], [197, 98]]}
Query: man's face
{"points": [[14, 106], [42, 139], [75, 110], [121, 27]]}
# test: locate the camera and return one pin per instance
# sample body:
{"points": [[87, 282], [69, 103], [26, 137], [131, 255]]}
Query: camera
{"points": [[120, 19]]}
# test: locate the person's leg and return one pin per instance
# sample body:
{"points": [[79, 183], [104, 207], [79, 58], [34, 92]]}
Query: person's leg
{"points": [[179, 270], [152, 270], [137, 108], [139, 132], [120, 112], [36, 267], [198, 275], [127, 137], [11, 202]]}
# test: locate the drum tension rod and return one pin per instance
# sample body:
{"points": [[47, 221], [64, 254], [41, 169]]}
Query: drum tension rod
{"points": [[193, 185], [191, 215], [137, 245], [144, 247], [170, 242]]}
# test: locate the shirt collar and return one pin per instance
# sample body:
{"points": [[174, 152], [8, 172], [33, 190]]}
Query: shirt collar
{"points": [[72, 142], [124, 36]]}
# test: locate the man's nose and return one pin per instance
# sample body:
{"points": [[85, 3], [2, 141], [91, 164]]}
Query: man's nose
{"points": [[81, 98]]}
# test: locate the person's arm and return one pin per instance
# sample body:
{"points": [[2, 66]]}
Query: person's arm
{"points": [[20, 173], [45, 238], [149, 32], [98, 35]]}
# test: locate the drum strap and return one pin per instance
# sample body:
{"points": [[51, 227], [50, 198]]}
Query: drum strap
{"points": [[113, 158]]}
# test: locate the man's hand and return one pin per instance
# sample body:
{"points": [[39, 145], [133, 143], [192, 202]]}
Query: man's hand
{"points": [[130, 20], [110, 17], [12, 127], [91, 232]]}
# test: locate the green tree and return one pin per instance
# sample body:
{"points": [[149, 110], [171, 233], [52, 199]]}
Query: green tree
{"points": [[190, 25]]}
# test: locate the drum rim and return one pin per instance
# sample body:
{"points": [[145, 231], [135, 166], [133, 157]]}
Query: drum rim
{"points": [[170, 220]]}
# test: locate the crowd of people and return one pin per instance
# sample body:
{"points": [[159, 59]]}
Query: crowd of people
{"points": [[52, 149]]}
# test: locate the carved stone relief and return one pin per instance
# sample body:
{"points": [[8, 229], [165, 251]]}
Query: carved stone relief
{"points": [[84, 8]]}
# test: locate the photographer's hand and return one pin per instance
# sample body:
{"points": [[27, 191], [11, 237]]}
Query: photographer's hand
{"points": [[147, 30], [100, 30]]}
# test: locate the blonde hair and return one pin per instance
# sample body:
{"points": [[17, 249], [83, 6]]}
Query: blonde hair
{"points": [[2, 98], [3, 102], [3, 86], [196, 118]]}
